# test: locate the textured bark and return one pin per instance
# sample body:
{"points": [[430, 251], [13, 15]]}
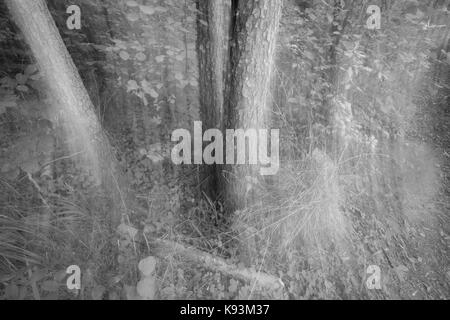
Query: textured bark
{"points": [[252, 53], [211, 33], [210, 50], [254, 29]]}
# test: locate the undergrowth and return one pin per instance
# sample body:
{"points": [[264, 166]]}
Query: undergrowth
{"points": [[44, 233]]}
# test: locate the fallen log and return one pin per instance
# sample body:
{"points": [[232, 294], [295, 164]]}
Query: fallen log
{"points": [[165, 248]]}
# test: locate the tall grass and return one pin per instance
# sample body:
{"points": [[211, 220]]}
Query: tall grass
{"points": [[301, 209], [54, 235]]}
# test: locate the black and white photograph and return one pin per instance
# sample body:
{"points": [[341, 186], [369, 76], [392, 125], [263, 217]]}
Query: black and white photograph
{"points": [[246, 152]]}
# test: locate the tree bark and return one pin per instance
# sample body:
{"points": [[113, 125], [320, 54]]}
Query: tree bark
{"points": [[254, 29], [211, 34], [64, 84]]}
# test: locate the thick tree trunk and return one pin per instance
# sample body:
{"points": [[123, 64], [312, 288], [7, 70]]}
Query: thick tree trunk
{"points": [[252, 55], [254, 29], [211, 34], [64, 83]]}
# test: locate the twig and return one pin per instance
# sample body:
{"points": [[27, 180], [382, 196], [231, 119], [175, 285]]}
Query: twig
{"points": [[61, 158]]}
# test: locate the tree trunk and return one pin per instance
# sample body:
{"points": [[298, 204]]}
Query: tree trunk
{"points": [[64, 83], [254, 29], [211, 32]]}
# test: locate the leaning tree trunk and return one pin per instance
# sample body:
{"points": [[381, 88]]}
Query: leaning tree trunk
{"points": [[211, 36], [253, 33], [64, 84]]}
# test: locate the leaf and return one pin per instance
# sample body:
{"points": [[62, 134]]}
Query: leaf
{"points": [[153, 94], [133, 17], [388, 105], [60, 275], [21, 78], [146, 86], [154, 152], [124, 55], [116, 279], [160, 58], [8, 82], [30, 165], [179, 76], [23, 291], [132, 3], [309, 55], [132, 85], [12, 291], [147, 266], [142, 152], [147, 10], [127, 230], [233, 286], [329, 17], [50, 285], [131, 293], [146, 288], [9, 101], [22, 88], [140, 56], [35, 77], [51, 296], [100, 47], [182, 83], [161, 9], [30, 69], [38, 275], [113, 296], [141, 95], [401, 271], [156, 120], [97, 292]]}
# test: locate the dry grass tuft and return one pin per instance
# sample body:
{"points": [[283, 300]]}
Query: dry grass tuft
{"points": [[302, 209], [49, 234]]}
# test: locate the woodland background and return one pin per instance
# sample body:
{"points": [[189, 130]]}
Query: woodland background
{"points": [[364, 174]]}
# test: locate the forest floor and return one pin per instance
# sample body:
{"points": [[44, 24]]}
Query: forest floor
{"points": [[400, 224], [410, 248], [413, 257], [411, 245]]}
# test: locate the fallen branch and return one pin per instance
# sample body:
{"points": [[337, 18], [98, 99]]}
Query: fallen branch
{"points": [[164, 248]]}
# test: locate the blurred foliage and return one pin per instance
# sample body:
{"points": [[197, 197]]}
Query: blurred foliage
{"points": [[343, 95]]}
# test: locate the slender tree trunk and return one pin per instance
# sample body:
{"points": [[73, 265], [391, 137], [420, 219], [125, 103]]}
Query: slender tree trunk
{"points": [[64, 83], [254, 28], [211, 33]]}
